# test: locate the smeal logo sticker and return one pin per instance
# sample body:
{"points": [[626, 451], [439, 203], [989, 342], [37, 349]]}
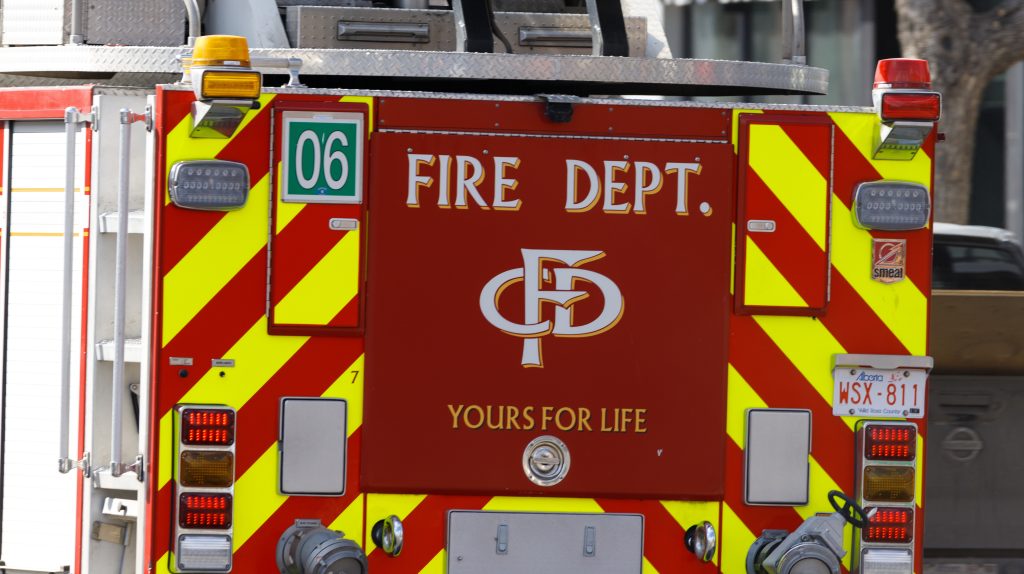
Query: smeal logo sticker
{"points": [[534, 276], [889, 260]]}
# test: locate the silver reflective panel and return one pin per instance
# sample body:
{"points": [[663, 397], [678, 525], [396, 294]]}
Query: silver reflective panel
{"points": [[313, 444], [544, 543], [778, 445]]}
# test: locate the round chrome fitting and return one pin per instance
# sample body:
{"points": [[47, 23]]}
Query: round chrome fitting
{"points": [[389, 535], [702, 541], [546, 460]]}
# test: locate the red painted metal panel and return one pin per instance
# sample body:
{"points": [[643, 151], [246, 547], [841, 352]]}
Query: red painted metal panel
{"points": [[529, 117], [43, 103], [464, 295]]}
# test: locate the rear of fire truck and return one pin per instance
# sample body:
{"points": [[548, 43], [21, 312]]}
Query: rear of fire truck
{"points": [[431, 308]]}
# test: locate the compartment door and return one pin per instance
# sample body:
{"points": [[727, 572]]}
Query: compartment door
{"points": [[316, 275], [782, 231]]}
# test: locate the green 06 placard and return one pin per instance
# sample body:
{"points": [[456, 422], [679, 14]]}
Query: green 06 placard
{"points": [[322, 157]]}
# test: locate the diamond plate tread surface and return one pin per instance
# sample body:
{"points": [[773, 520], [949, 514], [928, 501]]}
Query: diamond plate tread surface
{"points": [[131, 22], [635, 75]]}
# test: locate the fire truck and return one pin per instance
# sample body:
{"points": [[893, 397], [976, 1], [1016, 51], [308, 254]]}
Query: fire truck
{"points": [[349, 286]]}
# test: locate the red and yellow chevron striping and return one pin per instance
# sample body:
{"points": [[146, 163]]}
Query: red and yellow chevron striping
{"points": [[225, 285]]}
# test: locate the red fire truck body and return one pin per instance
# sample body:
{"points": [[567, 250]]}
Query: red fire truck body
{"points": [[401, 331]]}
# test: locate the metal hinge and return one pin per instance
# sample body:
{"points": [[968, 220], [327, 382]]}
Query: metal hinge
{"points": [[66, 465], [138, 467]]}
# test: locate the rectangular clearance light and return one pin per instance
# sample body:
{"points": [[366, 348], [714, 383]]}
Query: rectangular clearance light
{"points": [[889, 483], [207, 427], [890, 442], [911, 106], [891, 205], [889, 525], [877, 561], [204, 553], [211, 511], [209, 184], [207, 469]]}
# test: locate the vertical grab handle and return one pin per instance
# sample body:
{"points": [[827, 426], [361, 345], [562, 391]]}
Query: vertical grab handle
{"points": [[70, 130], [117, 468], [72, 117], [793, 48]]}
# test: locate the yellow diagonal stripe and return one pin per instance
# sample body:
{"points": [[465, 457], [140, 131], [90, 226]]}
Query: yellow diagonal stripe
{"points": [[380, 506], [687, 514], [256, 496], [736, 127], [436, 564], [764, 284], [540, 504], [257, 357], [350, 521], [349, 386], [741, 396], [861, 130], [286, 212], [792, 177], [648, 567], [214, 261], [736, 539], [326, 289], [901, 305], [182, 147], [368, 100], [809, 346]]}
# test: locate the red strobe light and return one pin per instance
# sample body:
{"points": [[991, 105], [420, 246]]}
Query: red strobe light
{"points": [[889, 525], [890, 442], [212, 511], [208, 427], [903, 73]]}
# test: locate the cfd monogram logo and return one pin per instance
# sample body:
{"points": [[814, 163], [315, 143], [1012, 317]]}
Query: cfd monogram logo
{"points": [[534, 276]]}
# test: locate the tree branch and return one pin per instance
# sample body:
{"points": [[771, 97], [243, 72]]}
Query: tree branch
{"points": [[999, 32]]}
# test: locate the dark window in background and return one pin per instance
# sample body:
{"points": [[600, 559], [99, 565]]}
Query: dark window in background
{"points": [[887, 41], [961, 264]]}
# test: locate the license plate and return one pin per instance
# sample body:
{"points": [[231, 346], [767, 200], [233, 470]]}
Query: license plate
{"points": [[879, 393]]}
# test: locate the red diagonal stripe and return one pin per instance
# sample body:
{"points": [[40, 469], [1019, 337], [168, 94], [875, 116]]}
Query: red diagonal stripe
{"points": [[853, 168], [789, 250], [662, 534], [308, 373], [189, 226], [778, 382], [214, 330], [238, 305], [850, 320], [425, 533], [258, 553], [809, 138], [756, 518]]}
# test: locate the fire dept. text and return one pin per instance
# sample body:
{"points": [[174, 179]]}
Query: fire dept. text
{"points": [[548, 418]]}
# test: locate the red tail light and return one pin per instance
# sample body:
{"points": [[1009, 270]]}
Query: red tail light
{"points": [[208, 427], [890, 442], [924, 107], [891, 525], [211, 511]]}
